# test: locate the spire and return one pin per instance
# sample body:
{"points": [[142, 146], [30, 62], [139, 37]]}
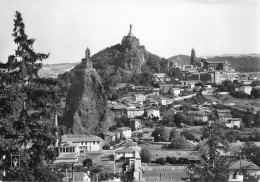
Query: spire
{"points": [[130, 31]]}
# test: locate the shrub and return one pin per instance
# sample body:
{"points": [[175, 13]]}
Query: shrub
{"points": [[178, 143], [160, 161]]}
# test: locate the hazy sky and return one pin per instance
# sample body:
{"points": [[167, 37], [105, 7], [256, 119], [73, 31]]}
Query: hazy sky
{"points": [[65, 28]]}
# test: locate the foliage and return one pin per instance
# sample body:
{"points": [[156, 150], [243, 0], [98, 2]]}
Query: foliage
{"points": [[213, 168], [252, 152], [173, 134], [178, 143], [255, 92], [174, 160], [161, 134], [188, 135], [145, 155], [160, 161], [87, 163], [27, 108]]}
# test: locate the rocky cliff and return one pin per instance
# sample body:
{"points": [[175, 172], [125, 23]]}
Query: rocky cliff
{"points": [[86, 109], [129, 56]]}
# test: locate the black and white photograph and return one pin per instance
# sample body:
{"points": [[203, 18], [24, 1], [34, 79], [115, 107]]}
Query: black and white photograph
{"points": [[130, 90]]}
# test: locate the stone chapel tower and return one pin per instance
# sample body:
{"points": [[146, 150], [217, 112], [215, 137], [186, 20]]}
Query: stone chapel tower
{"points": [[86, 61]]}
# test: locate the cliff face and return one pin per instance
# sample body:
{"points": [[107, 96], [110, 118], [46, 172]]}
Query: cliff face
{"points": [[86, 109]]}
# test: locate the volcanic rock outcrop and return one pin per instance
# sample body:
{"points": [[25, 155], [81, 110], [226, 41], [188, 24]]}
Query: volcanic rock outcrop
{"points": [[129, 55], [86, 109]]}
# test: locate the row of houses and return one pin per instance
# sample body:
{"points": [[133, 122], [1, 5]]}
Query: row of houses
{"points": [[224, 116]]}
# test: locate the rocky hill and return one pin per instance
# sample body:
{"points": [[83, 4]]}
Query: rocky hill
{"points": [[86, 109]]}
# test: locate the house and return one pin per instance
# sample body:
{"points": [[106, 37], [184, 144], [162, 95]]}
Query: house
{"points": [[246, 82], [232, 122], [68, 153], [125, 132], [160, 77], [246, 89], [133, 112], [135, 124], [175, 91], [190, 84], [198, 115], [247, 166], [110, 137], [86, 143], [224, 114], [129, 152], [208, 91], [153, 113], [139, 97], [119, 110]]}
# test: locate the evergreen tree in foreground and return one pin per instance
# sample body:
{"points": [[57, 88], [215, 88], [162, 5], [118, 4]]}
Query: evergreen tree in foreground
{"points": [[213, 167], [27, 109]]}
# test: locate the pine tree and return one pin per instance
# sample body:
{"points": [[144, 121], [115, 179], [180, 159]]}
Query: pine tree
{"points": [[27, 107], [213, 166]]}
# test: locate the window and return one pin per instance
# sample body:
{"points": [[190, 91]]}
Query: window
{"points": [[81, 143], [67, 150], [94, 143], [60, 149], [63, 149], [73, 150], [70, 149]]}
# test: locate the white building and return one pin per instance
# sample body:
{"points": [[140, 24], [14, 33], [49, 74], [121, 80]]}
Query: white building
{"points": [[139, 97], [68, 153], [152, 113], [232, 122], [125, 132], [161, 77], [86, 143], [175, 91], [133, 112], [246, 89]]}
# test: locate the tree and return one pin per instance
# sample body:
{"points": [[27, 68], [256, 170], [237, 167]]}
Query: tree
{"points": [[213, 167], [87, 163], [161, 134], [145, 155], [252, 152], [188, 135], [257, 119], [27, 108], [178, 143], [160, 161], [173, 134]]}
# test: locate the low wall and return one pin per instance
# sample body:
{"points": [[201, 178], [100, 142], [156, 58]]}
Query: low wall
{"points": [[164, 168], [223, 93]]}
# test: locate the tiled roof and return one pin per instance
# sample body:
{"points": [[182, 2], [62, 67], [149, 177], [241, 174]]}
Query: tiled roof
{"points": [[125, 150], [124, 128], [80, 138], [110, 133], [244, 164]]}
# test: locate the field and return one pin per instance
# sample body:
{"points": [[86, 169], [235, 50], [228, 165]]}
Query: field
{"points": [[242, 104], [164, 175]]}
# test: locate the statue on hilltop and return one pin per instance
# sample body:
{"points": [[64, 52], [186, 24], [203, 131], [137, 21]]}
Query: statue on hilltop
{"points": [[130, 31]]}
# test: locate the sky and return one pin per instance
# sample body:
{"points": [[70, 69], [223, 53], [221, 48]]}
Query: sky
{"points": [[65, 28]]}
